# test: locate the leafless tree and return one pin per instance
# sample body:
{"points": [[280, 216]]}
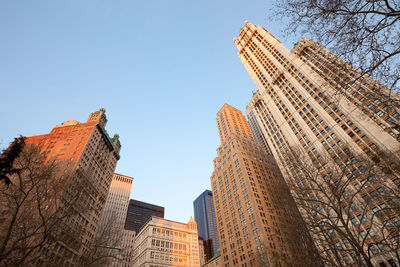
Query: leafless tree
{"points": [[259, 258], [353, 215], [106, 246], [364, 33], [35, 208], [26, 220]]}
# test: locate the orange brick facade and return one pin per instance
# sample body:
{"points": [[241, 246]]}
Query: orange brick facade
{"points": [[86, 148]]}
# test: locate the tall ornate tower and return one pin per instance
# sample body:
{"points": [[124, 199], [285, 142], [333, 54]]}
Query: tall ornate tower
{"points": [[258, 222], [311, 101]]}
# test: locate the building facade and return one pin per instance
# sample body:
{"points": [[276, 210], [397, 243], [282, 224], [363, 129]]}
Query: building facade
{"points": [[258, 221], [162, 242], [204, 215], [214, 261], [311, 101], [88, 157], [202, 254], [139, 213], [111, 229]]}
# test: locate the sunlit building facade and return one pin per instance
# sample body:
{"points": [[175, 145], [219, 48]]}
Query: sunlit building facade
{"points": [[258, 221], [214, 261], [311, 100], [113, 221], [162, 242], [88, 156], [204, 215]]}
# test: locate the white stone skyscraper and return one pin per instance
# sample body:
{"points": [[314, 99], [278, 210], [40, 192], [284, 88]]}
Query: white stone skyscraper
{"points": [[310, 100]]}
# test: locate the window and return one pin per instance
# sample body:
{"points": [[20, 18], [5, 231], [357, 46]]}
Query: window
{"points": [[361, 218], [367, 198], [373, 249], [387, 225], [396, 221], [376, 210]]}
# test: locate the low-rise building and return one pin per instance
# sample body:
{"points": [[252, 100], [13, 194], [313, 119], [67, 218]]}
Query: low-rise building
{"points": [[162, 242], [214, 261]]}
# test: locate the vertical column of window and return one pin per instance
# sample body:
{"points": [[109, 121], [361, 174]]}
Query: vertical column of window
{"points": [[256, 69], [261, 58], [277, 138], [339, 152], [348, 126], [274, 52], [334, 146], [327, 104], [265, 62], [361, 90]]}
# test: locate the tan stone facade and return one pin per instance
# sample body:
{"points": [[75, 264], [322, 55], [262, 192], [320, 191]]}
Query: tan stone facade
{"points": [[258, 222], [310, 99], [113, 217], [162, 242]]}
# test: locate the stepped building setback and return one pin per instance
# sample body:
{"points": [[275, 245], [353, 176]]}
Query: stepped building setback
{"points": [[310, 100], [258, 221]]}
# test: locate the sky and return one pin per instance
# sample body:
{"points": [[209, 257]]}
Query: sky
{"points": [[161, 68]]}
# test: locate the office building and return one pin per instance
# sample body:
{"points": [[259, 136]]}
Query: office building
{"points": [[162, 242], [87, 157], [310, 100], [204, 215], [139, 213], [258, 222], [119, 242]]}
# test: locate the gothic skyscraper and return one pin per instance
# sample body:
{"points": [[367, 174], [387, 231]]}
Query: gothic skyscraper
{"points": [[311, 103]]}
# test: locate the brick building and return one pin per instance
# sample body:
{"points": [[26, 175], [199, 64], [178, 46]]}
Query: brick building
{"points": [[87, 156]]}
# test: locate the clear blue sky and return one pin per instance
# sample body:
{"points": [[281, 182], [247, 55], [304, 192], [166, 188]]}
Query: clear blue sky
{"points": [[161, 68]]}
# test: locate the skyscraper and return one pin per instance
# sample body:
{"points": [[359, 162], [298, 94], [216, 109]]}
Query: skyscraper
{"points": [[257, 220], [87, 150], [312, 101], [111, 230], [139, 213], [204, 215]]}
